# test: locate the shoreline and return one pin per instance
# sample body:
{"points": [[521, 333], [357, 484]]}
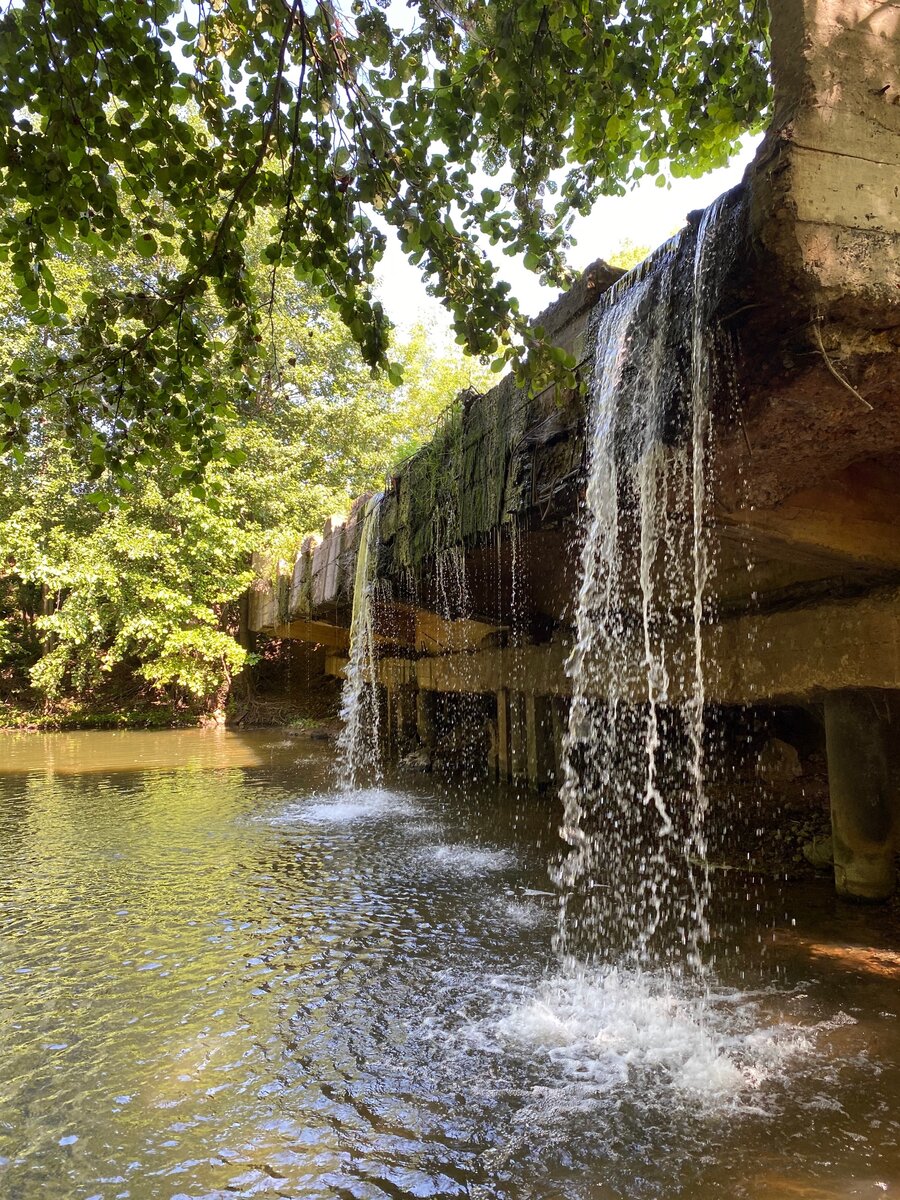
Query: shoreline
{"points": [[81, 721]]}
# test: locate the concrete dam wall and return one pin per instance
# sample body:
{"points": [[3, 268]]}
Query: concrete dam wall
{"points": [[710, 530]]}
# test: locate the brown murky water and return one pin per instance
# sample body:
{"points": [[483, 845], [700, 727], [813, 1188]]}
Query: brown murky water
{"points": [[221, 978]]}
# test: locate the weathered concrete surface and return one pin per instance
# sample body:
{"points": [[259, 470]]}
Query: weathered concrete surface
{"points": [[479, 548], [321, 632], [824, 207], [854, 517], [808, 468], [827, 181]]}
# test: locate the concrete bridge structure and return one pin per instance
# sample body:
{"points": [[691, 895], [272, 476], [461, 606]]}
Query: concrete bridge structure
{"points": [[479, 535]]}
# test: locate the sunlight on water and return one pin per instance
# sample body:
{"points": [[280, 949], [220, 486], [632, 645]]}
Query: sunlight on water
{"points": [[237, 981]]}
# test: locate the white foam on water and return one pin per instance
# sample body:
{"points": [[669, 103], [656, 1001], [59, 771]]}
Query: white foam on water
{"points": [[469, 860], [524, 914], [610, 1031], [422, 829], [345, 808]]}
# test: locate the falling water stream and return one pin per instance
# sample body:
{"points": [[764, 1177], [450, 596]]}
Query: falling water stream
{"points": [[634, 922], [358, 748], [634, 883]]}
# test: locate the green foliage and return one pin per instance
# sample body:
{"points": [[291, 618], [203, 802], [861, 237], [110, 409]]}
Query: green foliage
{"points": [[158, 135], [628, 255], [101, 573]]}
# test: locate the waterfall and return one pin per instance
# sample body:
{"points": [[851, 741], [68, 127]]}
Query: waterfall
{"points": [[358, 744], [634, 884]]}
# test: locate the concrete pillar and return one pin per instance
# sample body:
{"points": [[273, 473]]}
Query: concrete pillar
{"points": [[559, 714], [405, 699], [539, 740], [518, 756], [503, 764], [862, 730], [388, 710], [384, 700], [426, 702], [491, 758]]}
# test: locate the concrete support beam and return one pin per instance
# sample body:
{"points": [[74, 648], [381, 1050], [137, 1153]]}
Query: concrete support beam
{"points": [[336, 665], [434, 634], [503, 765], [559, 712], [852, 519], [540, 669], [492, 766], [426, 703], [388, 721], [318, 632], [802, 653], [862, 732], [383, 700], [792, 654], [518, 754]]}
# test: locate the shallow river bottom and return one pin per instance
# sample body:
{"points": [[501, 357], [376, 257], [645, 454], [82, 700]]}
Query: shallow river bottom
{"points": [[221, 978]]}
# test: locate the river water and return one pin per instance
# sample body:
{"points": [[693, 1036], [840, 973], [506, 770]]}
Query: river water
{"points": [[221, 978]]}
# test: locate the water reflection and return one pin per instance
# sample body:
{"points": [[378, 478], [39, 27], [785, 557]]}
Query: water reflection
{"points": [[105, 752], [219, 978]]}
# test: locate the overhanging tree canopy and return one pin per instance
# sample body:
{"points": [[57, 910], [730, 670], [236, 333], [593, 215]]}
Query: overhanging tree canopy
{"points": [[174, 129], [137, 579]]}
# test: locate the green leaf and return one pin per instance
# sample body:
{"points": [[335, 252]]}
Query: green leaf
{"points": [[158, 204]]}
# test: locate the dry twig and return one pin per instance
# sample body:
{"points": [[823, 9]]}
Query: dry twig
{"points": [[835, 372]]}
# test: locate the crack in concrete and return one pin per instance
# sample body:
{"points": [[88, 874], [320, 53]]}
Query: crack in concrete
{"points": [[878, 162]]}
